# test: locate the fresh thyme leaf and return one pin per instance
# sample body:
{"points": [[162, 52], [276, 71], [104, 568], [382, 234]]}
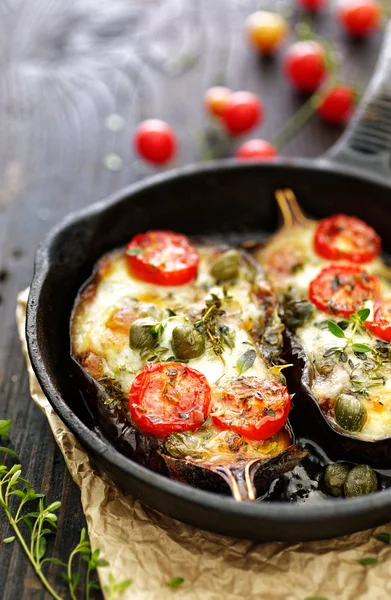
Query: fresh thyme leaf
{"points": [[134, 251], [246, 360], [335, 329], [175, 582], [363, 314], [157, 329], [113, 589], [8, 540], [5, 426], [383, 537], [360, 348], [367, 561]]}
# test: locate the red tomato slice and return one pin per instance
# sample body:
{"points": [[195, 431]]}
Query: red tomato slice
{"points": [[342, 289], [381, 324], [255, 408], [162, 257], [342, 237], [169, 397]]}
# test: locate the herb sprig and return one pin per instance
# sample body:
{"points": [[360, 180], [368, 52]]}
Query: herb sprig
{"points": [[220, 336], [32, 527], [338, 330]]}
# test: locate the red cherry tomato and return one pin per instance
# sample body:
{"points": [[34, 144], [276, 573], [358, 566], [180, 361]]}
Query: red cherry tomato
{"points": [[360, 18], [312, 5], [155, 141], [305, 65], [255, 408], [266, 31], [168, 397], [215, 100], [162, 257], [342, 289], [242, 112], [342, 237], [256, 150], [381, 324], [337, 104]]}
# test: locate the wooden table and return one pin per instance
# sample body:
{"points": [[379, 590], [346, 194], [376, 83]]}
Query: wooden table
{"points": [[65, 68]]}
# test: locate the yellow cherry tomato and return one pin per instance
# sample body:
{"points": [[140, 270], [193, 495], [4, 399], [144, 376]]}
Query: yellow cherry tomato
{"points": [[267, 31], [215, 100]]}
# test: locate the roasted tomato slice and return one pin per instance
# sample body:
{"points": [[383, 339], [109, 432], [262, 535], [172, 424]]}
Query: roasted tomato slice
{"points": [[381, 324], [169, 397], [253, 407], [162, 257], [341, 290], [342, 237]]}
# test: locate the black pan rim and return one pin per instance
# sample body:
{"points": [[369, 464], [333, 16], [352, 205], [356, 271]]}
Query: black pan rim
{"points": [[279, 512]]}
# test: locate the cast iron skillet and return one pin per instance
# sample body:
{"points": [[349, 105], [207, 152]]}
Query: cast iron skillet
{"points": [[228, 200]]}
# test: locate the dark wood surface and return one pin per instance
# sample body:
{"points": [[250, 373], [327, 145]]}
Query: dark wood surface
{"points": [[65, 66]]}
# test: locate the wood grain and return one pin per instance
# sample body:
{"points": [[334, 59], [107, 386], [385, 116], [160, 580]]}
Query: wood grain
{"points": [[65, 67]]}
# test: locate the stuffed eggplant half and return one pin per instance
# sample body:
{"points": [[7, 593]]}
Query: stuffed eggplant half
{"points": [[178, 347], [335, 294]]}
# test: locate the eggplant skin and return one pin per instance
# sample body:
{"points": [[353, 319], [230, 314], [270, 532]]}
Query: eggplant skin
{"points": [[309, 421], [148, 450]]}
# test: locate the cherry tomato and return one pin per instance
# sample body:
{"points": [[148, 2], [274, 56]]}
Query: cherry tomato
{"points": [[342, 289], [162, 257], [360, 18], [266, 31], [155, 141], [216, 99], [255, 408], [305, 65], [312, 5], [381, 324], [342, 237], [242, 112], [337, 104], [168, 397], [256, 150]]}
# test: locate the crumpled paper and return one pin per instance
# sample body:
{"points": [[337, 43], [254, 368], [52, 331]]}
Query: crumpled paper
{"points": [[151, 548]]}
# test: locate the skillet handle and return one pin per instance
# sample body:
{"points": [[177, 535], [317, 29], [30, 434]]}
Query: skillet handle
{"points": [[366, 143]]}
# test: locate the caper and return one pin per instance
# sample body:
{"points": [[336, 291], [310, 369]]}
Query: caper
{"points": [[141, 335], [360, 481], [180, 445], [226, 266], [334, 478], [350, 413], [187, 342]]}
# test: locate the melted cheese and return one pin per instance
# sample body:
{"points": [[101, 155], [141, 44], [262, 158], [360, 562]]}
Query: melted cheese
{"points": [[98, 327], [331, 377]]}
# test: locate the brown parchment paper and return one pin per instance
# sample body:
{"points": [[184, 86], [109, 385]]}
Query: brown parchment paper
{"points": [[151, 548]]}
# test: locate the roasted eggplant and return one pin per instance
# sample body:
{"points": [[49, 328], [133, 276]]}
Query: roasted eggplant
{"points": [[335, 299], [177, 349]]}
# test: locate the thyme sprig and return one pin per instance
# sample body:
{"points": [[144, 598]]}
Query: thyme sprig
{"points": [[338, 330], [209, 324], [32, 528]]}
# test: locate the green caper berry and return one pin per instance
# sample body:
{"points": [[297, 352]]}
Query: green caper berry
{"points": [[226, 266], [183, 444], [187, 342], [334, 478], [141, 336], [350, 413], [360, 481]]}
